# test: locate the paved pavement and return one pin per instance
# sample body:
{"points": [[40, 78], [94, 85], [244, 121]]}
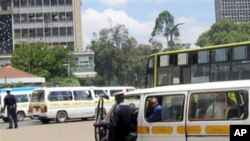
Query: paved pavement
{"points": [[34, 130]]}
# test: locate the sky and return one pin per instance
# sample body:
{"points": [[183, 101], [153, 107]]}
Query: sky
{"points": [[139, 17]]}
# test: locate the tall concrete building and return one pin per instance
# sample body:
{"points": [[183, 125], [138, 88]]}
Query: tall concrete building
{"points": [[56, 22], [236, 10]]}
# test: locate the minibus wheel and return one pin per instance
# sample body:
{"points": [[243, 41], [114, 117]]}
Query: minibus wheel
{"points": [[5, 120], [61, 117], [20, 116]]}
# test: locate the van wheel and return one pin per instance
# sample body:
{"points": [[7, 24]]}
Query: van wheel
{"points": [[5, 120], [20, 116], [45, 121], [61, 117]]}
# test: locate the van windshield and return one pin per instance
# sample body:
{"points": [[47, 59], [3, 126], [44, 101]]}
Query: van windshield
{"points": [[37, 96]]}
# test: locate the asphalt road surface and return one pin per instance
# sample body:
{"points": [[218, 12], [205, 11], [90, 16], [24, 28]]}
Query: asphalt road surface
{"points": [[34, 130]]}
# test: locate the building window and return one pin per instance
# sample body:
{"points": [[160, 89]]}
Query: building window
{"points": [[46, 2], [39, 17], [47, 17], [61, 2], [69, 16], [23, 2], [32, 32], [39, 2], [69, 2], [47, 32], [16, 3], [61, 16], [32, 17], [25, 33], [62, 31], [54, 17], [53, 2], [40, 32], [70, 31], [16, 18], [31, 2], [24, 18], [54, 31], [17, 33]]}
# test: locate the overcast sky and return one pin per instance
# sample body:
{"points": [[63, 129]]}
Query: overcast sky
{"points": [[139, 17]]}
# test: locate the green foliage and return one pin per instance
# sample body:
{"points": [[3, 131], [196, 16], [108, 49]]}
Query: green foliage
{"points": [[223, 32], [118, 58], [164, 24], [63, 81], [40, 60]]}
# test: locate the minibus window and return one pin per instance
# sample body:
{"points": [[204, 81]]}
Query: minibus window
{"points": [[82, 95], [164, 108], [37, 96], [114, 91], [21, 98], [228, 105]]}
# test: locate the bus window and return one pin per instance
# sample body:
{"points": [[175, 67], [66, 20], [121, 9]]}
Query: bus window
{"points": [[164, 108], [239, 53], [199, 73], [150, 73], [37, 96], [220, 72], [218, 106], [203, 57], [220, 55], [182, 59]]}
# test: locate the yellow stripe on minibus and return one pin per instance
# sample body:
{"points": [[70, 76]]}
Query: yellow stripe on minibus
{"points": [[142, 129], [217, 129], [192, 129], [162, 130]]}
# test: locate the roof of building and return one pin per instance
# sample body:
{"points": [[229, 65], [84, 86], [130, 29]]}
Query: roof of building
{"points": [[10, 72]]}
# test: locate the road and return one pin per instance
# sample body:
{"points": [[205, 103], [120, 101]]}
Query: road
{"points": [[34, 130]]}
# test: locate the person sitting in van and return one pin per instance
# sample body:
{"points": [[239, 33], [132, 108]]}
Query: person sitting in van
{"points": [[217, 109], [156, 114]]}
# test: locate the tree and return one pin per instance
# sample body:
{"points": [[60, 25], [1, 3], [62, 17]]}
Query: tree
{"points": [[40, 60], [164, 24], [223, 32], [118, 59]]}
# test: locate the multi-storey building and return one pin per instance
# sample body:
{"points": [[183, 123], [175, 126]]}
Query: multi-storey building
{"points": [[236, 10], [55, 22]]}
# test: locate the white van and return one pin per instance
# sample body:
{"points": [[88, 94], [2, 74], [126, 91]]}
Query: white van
{"points": [[62, 103], [22, 95], [111, 90], [191, 112]]}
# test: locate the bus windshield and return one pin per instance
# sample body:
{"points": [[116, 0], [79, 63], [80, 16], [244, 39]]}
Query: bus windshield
{"points": [[37, 96]]}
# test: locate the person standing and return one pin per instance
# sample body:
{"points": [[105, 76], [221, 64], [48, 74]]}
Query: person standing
{"points": [[122, 123], [10, 103]]}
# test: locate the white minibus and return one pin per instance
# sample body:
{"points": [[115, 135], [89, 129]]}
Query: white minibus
{"points": [[62, 103], [114, 89], [22, 95], [188, 112]]}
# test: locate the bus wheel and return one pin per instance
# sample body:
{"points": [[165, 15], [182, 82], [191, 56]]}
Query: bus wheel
{"points": [[61, 117], [5, 120], [20, 116]]}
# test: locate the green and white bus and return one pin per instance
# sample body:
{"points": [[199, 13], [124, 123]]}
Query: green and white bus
{"points": [[197, 65]]}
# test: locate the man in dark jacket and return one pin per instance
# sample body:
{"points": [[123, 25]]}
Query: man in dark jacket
{"points": [[122, 123], [10, 103]]}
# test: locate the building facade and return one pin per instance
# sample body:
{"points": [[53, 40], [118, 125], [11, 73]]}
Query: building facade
{"points": [[55, 22], [236, 10]]}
